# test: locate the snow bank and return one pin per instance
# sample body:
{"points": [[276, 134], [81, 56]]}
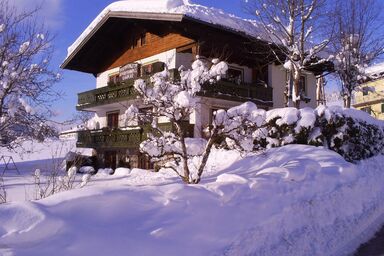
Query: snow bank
{"points": [[184, 7], [293, 200]]}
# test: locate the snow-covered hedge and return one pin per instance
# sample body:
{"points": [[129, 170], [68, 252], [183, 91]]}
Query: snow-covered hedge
{"points": [[351, 133]]}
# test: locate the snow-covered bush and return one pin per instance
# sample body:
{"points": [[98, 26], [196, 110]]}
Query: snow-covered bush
{"points": [[349, 133], [56, 178]]}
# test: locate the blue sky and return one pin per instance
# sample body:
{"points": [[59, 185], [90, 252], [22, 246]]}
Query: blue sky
{"points": [[67, 19]]}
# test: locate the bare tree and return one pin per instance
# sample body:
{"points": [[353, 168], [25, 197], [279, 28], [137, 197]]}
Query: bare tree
{"points": [[26, 80], [296, 29], [358, 42]]}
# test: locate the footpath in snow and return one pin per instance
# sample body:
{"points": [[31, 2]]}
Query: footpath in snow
{"points": [[293, 200]]}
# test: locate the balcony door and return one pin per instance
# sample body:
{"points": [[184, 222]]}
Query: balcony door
{"points": [[113, 120]]}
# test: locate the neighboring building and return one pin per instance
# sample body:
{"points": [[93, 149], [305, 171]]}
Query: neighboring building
{"points": [[130, 40], [371, 96]]}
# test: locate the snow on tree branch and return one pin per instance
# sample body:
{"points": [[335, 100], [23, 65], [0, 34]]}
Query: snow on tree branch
{"points": [[174, 147], [26, 80], [290, 25], [358, 42]]}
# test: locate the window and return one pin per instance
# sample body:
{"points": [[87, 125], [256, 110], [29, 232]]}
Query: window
{"points": [[113, 120], [152, 68], [113, 79], [235, 75], [303, 85], [382, 107]]}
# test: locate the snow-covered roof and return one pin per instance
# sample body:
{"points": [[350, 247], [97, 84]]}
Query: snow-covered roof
{"points": [[166, 10], [376, 70]]}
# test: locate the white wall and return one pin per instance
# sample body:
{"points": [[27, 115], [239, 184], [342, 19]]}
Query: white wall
{"points": [[277, 78], [311, 91]]}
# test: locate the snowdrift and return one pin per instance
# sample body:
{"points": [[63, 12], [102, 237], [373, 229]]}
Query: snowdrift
{"points": [[293, 200]]}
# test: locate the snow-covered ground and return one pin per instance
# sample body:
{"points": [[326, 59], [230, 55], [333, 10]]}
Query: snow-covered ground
{"points": [[293, 200]]}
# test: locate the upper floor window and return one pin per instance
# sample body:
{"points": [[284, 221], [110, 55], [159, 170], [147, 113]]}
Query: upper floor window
{"points": [[113, 79], [235, 75], [150, 69]]}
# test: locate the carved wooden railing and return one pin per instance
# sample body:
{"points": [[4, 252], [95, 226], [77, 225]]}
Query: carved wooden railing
{"points": [[106, 95], [223, 89], [228, 90], [129, 138], [112, 93]]}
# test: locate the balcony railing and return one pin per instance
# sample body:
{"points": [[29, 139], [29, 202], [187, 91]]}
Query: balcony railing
{"points": [[223, 89], [106, 95], [112, 93], [244, 91], [128, 138], [105, 138]]}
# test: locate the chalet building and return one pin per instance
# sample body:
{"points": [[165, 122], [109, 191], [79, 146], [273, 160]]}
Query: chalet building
{"points": [[371, 98], [129, 40]]}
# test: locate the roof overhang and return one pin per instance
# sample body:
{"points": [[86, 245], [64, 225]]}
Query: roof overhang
{"points": [[126, 15]]}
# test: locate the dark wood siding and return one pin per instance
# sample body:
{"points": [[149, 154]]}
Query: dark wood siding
{"points": [[154, 45]]}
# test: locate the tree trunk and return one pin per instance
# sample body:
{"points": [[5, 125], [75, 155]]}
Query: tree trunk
{"points": [[186, 175], [347, 101], [286, 96], [206, 154], [296, 101]]}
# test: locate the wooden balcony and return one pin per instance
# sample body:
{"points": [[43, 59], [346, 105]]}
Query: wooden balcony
{"points": [[105, 138], [106, 95], [256, 92], [113, 93], [127, 138]]}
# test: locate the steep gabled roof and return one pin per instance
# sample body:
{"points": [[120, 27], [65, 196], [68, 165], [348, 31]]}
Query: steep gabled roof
{"points": [[166, 10]]}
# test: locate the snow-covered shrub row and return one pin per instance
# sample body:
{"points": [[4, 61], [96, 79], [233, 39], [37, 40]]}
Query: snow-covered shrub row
{"points": [[351, 133]]}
